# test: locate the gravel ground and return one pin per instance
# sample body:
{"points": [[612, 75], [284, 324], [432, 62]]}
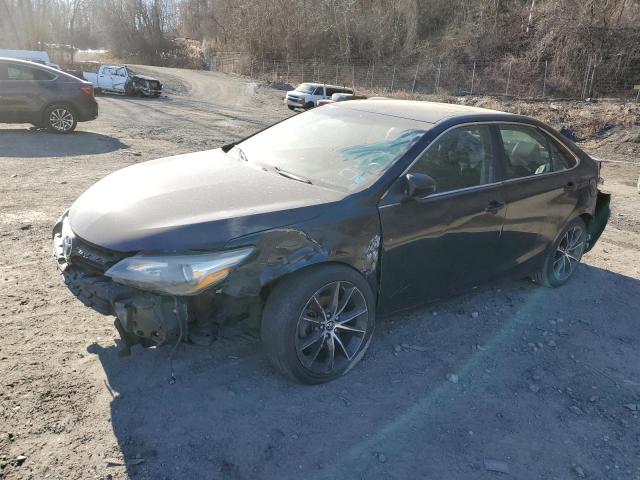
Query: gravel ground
{"points": [[544, 383]]}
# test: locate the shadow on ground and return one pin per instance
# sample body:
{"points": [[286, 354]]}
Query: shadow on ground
{"points": [[26, 143], [523, 362]]}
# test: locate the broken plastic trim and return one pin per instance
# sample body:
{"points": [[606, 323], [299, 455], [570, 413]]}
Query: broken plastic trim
{"points": [[600, 218]]}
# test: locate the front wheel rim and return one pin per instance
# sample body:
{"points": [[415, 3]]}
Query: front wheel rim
{"points": [[332, 328], [61, 119], [568, 253]]}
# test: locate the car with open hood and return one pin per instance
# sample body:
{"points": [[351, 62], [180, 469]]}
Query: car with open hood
{"points": [[312, 228], [121, 79]]}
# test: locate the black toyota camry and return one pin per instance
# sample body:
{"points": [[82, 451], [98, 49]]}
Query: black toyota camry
{"points": [[314, 226]]}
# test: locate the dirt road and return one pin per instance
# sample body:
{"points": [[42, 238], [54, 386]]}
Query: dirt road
{"points": [[545, 381]]}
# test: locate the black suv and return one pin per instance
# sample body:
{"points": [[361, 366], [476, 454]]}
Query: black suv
{"points": [[44, 96]]}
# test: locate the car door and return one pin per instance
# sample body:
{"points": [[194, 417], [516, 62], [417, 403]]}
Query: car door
{"points": [[23, 90], [448, 239], [119, 79], [105, 78], [318, 94], [540, 192]]}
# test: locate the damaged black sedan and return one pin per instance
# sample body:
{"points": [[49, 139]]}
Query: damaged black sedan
{"points": [[313, 227]]}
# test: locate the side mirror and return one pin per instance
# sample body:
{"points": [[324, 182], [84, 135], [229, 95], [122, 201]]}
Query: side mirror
{"points": [[417, 185]]}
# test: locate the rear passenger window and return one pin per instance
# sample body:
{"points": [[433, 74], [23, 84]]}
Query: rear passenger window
{"points": [[526, 151], [562, 160], [15, 72], [18, 73], [461, 158]]}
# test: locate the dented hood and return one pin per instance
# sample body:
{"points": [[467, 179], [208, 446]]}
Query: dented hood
{"points": [[191, 202], [146, 77]]}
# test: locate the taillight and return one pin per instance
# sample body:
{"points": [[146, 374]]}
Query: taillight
{"points": [[87, 89]]}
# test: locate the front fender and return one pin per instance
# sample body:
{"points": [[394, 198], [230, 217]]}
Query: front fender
{"points": [[340, 236], [279, 252]]}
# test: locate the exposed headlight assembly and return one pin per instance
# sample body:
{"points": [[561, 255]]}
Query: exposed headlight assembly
{"points": [[177, 274]]}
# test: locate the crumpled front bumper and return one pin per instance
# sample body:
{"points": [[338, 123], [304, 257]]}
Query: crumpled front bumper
{"points": [[142, 317]]}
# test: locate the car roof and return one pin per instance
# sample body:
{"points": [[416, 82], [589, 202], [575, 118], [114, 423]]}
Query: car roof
{"points": [[429, 112], [326, 85], [28, 63], [42, 67]]}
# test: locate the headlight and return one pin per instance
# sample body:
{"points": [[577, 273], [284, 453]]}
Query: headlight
{"points": [[177, 274]]}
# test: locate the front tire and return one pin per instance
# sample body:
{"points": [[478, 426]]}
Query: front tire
{"points": [[60, 119], [291, 107], [317, 324], [564, 256], [308, 105]]}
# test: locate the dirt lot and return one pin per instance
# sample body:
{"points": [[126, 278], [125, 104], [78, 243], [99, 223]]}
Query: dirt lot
{"points": [[546, 381]]}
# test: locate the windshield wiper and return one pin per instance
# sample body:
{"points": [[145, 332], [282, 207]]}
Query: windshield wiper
{"points": [[292, 176], [243, 156]]}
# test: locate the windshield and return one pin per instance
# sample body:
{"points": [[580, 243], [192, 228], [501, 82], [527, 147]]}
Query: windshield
{"points": [[341, 148], [306, 88]]}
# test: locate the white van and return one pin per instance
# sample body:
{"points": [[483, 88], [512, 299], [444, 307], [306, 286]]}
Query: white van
{"points": [[30, 56], [306, 95]]}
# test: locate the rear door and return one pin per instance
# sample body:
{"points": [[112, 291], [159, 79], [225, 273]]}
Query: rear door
{"points": [[437, 244], [540, 192], [24, 91]]}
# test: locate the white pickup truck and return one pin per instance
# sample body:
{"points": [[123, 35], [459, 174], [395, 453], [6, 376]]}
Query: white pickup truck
{"points": [[121, 79]]}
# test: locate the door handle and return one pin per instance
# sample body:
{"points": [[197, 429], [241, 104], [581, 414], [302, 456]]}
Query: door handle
{"points": [[493, 207], [570, 186]]}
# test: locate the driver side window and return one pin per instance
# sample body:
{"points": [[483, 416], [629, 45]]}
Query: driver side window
{"points": [[461, 158]]}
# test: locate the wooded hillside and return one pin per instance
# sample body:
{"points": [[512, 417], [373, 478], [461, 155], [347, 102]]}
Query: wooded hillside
{"points": [[573, 34]]}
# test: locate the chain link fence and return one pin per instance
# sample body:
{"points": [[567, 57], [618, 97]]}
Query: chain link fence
{"points": [[610, 78]]}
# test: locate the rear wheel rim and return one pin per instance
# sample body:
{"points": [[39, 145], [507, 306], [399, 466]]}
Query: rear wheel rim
{"points": [[332, 328], [568, 253], [61, 119]]}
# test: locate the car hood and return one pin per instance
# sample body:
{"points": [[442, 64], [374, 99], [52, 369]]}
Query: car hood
{"points": [[145, 77], [195, 201]]}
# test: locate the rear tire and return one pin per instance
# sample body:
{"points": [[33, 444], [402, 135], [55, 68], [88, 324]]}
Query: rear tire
{"points": [[564, 255], [318, 323], [60, 118]]}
